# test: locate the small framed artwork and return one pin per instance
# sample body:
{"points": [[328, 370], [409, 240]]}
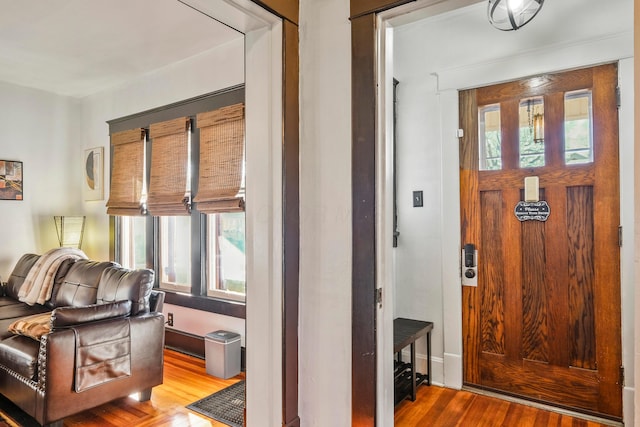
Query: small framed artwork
{"points": [[93, 174], [10, 180]]}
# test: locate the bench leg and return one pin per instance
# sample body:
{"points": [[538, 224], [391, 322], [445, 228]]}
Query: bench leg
{"points": [[429, 358]]}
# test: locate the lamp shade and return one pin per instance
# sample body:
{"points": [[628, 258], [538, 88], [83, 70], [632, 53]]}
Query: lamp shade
{"points": [[70, 230], [508, 15]]}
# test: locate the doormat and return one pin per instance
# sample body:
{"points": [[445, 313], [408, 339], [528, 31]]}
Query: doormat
{"points": [[226, 405]]}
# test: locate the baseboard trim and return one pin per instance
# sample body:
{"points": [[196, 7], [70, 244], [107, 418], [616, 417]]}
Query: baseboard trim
{"points": [[437, 366], [628, 405], [453, 370], [193, 345]]}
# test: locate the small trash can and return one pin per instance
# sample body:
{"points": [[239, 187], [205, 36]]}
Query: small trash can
{"points": [[222, 354]]}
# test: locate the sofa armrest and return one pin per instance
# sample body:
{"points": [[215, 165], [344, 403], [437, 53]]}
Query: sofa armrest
{"points": [[64, 317], [56, 371]]}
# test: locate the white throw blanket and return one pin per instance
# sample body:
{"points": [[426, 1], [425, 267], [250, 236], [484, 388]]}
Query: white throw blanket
{"points": [[38, 284]]}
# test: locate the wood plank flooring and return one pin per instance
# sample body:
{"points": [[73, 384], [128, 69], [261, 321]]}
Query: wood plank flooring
{"points": [[443, 407], [185, 381]]}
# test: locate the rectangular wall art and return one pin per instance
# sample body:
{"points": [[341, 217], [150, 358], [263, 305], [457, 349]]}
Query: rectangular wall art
{"points": [[93, 174], [10, 180]]}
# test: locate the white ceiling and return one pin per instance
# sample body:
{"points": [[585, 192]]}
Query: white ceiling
{"points": [[80, 47], [463, 37]]}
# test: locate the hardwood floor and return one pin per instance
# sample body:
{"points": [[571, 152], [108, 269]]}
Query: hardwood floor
{"points": [[185, 381], [442, 407]]}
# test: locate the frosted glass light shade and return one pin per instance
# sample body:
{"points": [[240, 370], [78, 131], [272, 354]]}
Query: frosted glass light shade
{"points": [[70, 230]]}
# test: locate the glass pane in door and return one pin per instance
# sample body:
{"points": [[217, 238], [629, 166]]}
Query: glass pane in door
{"points": [[532, 133], [578, 130], [490, 137]]}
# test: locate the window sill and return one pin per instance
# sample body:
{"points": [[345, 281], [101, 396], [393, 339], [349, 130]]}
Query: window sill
{"points": [[209, 304]]}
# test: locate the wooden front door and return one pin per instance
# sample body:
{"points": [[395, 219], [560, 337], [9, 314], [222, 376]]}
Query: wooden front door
{"points": [[543, 322]]}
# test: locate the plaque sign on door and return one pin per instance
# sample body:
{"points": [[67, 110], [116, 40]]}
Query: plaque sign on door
{"points": [[532, 211], [532, 208]]}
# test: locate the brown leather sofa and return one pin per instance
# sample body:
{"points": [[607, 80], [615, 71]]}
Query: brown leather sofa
{"points": [[105, 339]]}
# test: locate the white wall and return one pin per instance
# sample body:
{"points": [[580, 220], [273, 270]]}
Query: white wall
{"points": [[325, 213], [39, 129], [419, 168], [200, 323], [430, 74], [49, 134]]}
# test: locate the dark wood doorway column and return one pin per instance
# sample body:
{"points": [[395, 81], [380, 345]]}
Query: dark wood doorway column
{"points": [[363, 175], [288, 10]]}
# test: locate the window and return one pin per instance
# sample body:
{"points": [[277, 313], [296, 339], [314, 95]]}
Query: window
{"points": [[133, 248], [532, 133], [175, 253], [533, 125], [226, 255], [195, 245], [578, 131], [490, 138]]}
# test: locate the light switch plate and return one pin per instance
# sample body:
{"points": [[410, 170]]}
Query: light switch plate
{"points": [[417, 199]]}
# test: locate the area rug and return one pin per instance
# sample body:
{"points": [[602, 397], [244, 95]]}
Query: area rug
{"points": [[226, 406]]}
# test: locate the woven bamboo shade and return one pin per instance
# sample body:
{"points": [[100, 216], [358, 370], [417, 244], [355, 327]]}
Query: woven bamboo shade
{"points": [[221, 159], [168, 192], [127, 173]]}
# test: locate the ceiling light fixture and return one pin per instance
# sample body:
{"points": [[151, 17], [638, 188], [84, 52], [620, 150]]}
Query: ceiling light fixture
{"points": [[508, 15]]}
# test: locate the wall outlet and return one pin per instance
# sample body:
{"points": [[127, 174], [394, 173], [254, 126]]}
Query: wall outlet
{"points": [[170, 319]]}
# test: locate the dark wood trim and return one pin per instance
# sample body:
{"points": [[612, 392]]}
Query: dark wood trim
{"points": [[286, 9], [213, 305], [184, 342], [289, 11], [112, 229], [291, 226], [363, 175], [363, 152], [188, 107], [365, 7]]}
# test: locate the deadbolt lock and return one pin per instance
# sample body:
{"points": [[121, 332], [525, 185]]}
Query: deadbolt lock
{"points": [[469, 265]]}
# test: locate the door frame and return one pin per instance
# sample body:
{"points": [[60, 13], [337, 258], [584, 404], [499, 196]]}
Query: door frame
{"points": [[272, 114], [368, 127]]}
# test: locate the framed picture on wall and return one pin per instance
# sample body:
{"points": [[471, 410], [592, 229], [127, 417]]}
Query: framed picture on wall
{"points": [[93, 174], [10, 180]]}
